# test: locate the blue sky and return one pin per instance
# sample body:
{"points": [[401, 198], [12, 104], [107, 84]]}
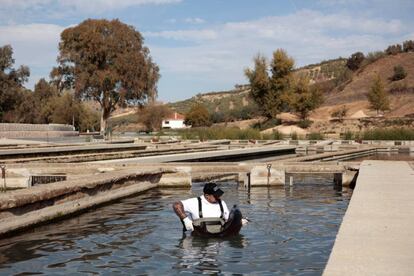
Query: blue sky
{"points": [[205, 45]]}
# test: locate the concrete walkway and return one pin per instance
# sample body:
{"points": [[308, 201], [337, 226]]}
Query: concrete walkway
{"points": [[376, 236], [216, 155]]}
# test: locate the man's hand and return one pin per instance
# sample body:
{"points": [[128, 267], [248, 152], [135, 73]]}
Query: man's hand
{"points": [[244, 221], [188, 223]]}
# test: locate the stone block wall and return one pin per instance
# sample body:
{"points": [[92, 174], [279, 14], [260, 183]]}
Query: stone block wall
{"points": [[36, 130]]}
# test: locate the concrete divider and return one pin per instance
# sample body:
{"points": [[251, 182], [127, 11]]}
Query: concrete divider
{"points": [[376, 234], [181, 178], [25, 208], [263, 175]]}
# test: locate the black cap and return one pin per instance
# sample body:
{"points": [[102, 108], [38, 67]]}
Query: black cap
{"points": [[212, 189]]}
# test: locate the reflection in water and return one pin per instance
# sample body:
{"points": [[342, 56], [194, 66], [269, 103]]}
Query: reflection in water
{"points": [[291, 231], [202, 254]]}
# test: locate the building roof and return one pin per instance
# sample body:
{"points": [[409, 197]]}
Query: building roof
{"points": [[175, 116]]}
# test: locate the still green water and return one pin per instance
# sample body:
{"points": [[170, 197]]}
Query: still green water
{"points": [[292, 231]]}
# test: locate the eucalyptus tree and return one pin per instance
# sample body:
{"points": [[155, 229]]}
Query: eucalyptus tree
{"points": [[106, 61]]}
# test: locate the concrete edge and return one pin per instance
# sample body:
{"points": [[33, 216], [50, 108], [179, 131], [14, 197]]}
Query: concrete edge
{"points": [[19, 198], [48, 214]]}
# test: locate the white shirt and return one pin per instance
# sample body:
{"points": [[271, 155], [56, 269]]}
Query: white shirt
{"points": [[210, 210]]}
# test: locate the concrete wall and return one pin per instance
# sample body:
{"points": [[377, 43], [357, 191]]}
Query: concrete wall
{"points": [[36, 130], [35, 127], [26, 208]]}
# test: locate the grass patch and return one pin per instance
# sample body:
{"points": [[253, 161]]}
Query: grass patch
{"points": [[232, 133], [315, 136], [267, 124], [388, 134], [348, 135]]}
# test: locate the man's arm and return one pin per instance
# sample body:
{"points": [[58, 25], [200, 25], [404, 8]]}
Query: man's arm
{"points": [[179, 209]]}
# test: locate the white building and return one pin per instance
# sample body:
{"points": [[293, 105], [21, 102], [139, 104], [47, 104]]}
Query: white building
{"points": [[175, 120]]}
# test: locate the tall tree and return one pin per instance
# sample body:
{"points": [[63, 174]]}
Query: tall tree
{"points": [[43, 93], [198, 116], [281, 82], [11, 81], [106, 61], [259, 80], [377, 96], [305, 98], [152, 115], [269, 91]]}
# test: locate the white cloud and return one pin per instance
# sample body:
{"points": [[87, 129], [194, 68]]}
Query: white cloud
{"points": [[24, 9], [188, 35], [220, 53], [81, 4], [194, 20], [34, 45], [33, 34], [105, 5]]}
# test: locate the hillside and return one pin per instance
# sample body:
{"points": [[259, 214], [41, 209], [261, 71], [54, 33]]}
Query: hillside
{"points": [[216, 101], [354, 94], [341, 87]]}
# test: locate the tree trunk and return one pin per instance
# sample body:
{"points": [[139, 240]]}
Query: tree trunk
{"points": [[104, 119], [103, 123]]}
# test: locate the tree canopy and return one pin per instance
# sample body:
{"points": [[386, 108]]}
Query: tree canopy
{"points": [[305, 98], [106, 61], [377, 96], [354, 62], [11, 82], [152, 115], [198, 116], [269, 92]]}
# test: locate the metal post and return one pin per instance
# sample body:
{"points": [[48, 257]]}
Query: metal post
{"points": [[3, 175], [291, 181], [269, 166], [248, 182]]}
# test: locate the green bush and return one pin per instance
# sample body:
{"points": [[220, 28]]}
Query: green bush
{"points": [[216, 133], [304, 123], [348, 135], [389, 134], [267, 124], [315, 136], [373, 56], [198, 116], [394, 49], [399, 73], [408, 46], [275, 135], [355, 60]]}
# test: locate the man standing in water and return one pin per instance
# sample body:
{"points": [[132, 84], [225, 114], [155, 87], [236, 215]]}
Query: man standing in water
{"points": [[209, 205]]}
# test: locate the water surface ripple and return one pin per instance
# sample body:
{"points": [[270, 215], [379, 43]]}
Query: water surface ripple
{"points": [[292, 231]]}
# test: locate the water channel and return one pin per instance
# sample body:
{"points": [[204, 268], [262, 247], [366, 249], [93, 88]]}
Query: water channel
{"points": [[292, 231]]}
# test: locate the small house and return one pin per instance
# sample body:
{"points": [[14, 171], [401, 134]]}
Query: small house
{"points": [[175, 120]]}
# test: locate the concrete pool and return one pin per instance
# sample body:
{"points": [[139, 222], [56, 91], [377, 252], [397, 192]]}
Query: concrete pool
{"points": [[292, 231]]}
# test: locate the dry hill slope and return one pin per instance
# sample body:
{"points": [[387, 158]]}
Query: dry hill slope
{"points": [[354, 95]]}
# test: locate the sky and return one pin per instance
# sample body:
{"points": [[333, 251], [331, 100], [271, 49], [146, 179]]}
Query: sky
{"points": [[205, 45]]}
